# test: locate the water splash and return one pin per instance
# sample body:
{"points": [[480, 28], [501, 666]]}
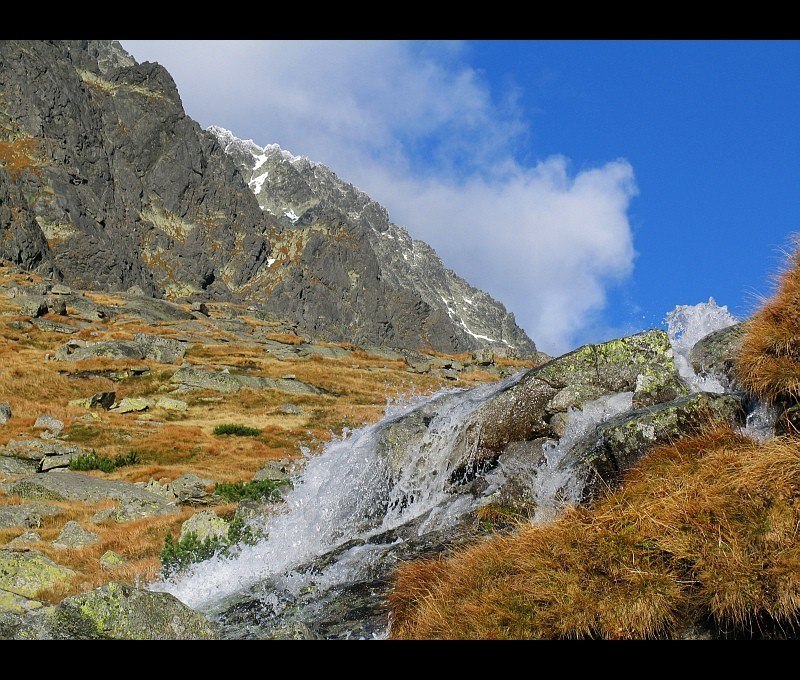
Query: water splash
{"points": [[556, 484], [686, 325], [760, 422], [352, 490]]}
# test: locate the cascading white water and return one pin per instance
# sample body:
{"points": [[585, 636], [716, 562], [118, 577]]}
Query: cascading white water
{"points": [[349, 491], [686, 325], [556, 485]]}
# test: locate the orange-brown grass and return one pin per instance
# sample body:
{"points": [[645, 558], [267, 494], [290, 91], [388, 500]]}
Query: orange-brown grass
{"points": [[769, 362], [705, 529], [18, 156], [286, 338]]}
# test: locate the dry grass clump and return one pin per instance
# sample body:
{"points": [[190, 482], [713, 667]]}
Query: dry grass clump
{"points": [[769, 363], [702, 530]]}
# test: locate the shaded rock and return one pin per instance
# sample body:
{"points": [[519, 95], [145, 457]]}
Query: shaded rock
{"points": [[73, 535], [56, 305], [190, 489], [119, 612], [32, 306], [26, 573], [24, 541], [13, 603], [205, 524], [558, 424], [49, 423], [5, 413], [13, 467], [169, 404], [200, 308], [37, 449], [716, 354], [519, 464], [110, 560], [104, 400], [134, 404], [613, 446]]}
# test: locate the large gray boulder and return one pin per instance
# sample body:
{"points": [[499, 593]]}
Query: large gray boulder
{"points": [[26, 573], [28, 515], [119, 612], [37, 449], [716, 354], [73, 535], [220, 381]]}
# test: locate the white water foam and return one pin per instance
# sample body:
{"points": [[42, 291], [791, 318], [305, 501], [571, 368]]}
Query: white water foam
{"points": [[556, 484], [349, 491], [686, 325]]}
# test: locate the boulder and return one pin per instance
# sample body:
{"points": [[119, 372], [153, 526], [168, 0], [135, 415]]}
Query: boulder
{"points": [[120, 612], [716, 354], [134, 509], [519, 463], [16, 604], [276, 470], [37, 449], [14, 467], [221, 381], [418, 366], [169, 404], [110, 560], [73, 535], [32, 306], [483, 357], [200, 308], [49, 423], [133, 405], [5, 412], [110, 349], [26, 573], [54, 462], [613, 446], [104, 400], [522, 412], [24, 541], [56, 305], [26, 515], [60, 289], [205, 524], [161, 350], [54, 326], [190, 489]]}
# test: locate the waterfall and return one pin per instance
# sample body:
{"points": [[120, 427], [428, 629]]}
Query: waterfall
{"points": [[351, 490]]}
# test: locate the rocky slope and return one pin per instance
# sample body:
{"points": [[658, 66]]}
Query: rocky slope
{"points": [[356, 271], [106, 184]]}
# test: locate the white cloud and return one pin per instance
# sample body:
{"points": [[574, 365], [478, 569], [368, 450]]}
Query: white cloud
{"points": [[421, 131]]}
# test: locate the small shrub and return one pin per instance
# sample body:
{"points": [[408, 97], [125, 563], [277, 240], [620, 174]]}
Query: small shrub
{"points": [[237, 430], [259, 490], [176, 555], [94, 461]]}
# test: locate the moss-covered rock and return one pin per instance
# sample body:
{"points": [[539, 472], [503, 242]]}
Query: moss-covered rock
{"points": [[120, 612], [615, 445], [26, 573], [73, 535], [11, 602], [111, 560]]}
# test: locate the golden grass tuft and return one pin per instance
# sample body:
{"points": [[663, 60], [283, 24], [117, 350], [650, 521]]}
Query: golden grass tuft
{"points": [[769, 362], [705, 529]]}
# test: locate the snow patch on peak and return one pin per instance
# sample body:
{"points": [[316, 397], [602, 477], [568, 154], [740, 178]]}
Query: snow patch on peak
{"points": [[274, 149]]}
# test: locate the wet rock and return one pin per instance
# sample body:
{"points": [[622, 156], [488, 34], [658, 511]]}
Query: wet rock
{"points": [[120, 612], [613, 446], [73, 535], [26, 573], [205, 524], [716, 354], [5, 413], [295, 630]]}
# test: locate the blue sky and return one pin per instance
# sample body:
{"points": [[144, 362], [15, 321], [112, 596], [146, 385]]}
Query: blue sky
{"points": [[591, 186]]}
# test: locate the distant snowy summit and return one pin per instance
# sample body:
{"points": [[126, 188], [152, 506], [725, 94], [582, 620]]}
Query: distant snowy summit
{"points": [[336, 237]]}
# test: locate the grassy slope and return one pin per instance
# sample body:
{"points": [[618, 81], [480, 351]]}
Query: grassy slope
{"points": [[701, 532], [171, 443]]}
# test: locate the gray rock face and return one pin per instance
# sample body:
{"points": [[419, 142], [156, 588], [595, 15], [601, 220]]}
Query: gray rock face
{"points": [[118, 186], [345, 272], [119, 612]]}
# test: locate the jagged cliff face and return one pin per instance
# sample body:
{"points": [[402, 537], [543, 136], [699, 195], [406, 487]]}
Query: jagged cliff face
{"points": [[357, 273], [106, 183], [109, 183]]}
